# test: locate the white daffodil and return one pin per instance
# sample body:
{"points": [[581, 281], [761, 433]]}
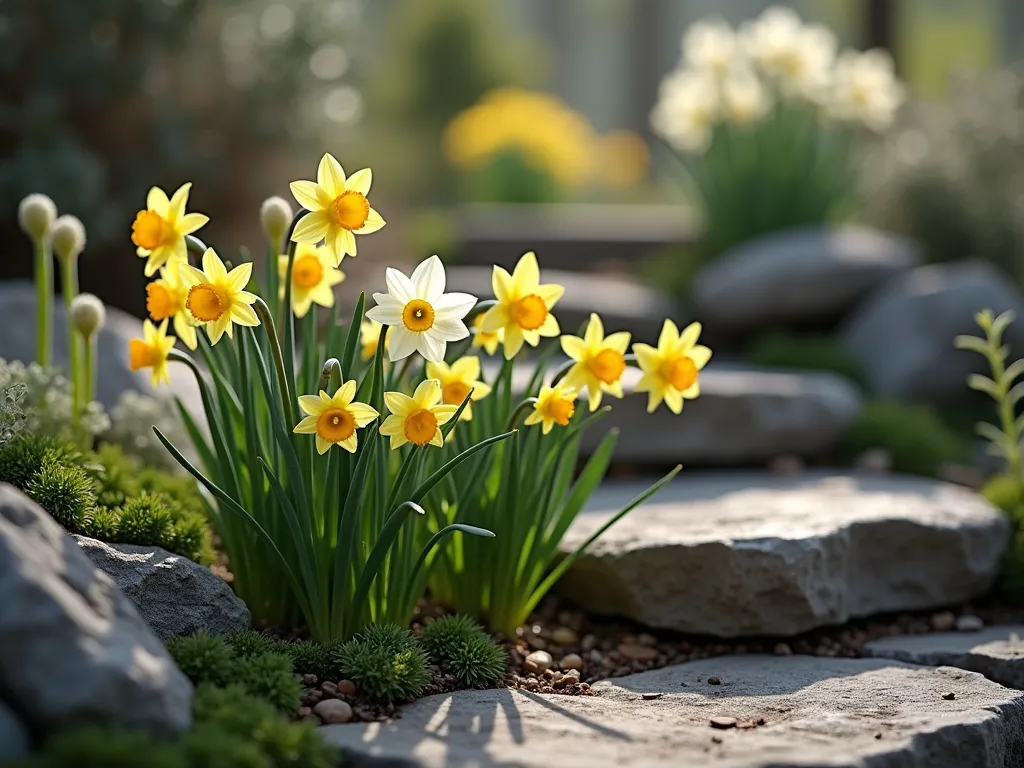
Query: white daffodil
{"points": [[798, 55], [688, 106], [744, 98], [710, 46], [424, 318], [865, 89]]}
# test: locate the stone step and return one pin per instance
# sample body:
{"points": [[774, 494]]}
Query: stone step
{"points": [[769, 711], [744, 553], [995, 652]]}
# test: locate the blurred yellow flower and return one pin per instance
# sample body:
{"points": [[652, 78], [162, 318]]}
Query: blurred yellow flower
{"points": [[488, 341], [338, 208], [524, 306], [334, 419], [671, 369], [151, 351], [457, 380], [369, 337], [600, 361], [215, 296], [313, 277], [417, 419], [555, 405], [622, 159], [159, 231], [166, 297]]}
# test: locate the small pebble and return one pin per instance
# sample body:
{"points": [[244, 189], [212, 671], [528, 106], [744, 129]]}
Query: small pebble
{"points": [[876, 461], [589, 642], [713, 680], [564, 636], [649, 640], [786, 465], [309, 680], [329, 688], [304, 712], [538, 661], [346, 688], [949, 696], [783, 650], [596, 656], [878, 735], [638, 652], [572, 661], [333, 711], [969, 623], [723, 722], [315, 696], [716, 739], [943, 621], [651, 696]]}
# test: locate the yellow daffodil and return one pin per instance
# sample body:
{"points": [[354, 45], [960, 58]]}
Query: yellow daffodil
{"points": [[670, 370], [313, 278], [166, 297], [423, 317], [555, 405], [488, 341], [417, 419], [159, 231], [338, 208], [600, 361], [151, 351], [458, 380], [334, 420], [369, 337], [524, 306], [215, 296]]}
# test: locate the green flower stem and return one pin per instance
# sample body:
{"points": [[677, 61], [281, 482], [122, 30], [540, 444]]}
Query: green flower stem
{"points": [[275, 349], [89, 370], [69, 287], [44, 290], [517, 414]]}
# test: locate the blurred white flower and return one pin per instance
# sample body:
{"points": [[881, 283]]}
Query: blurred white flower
{"points": [[799, 55], [710, 46], [865, 89], [744, 97], [687, 108]]}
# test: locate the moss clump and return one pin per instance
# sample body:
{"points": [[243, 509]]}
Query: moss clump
{"points": [[269, 677], [462, 648], [203, 658], [64, 490], [144, 520], [207, 746], [320, 659], [914, 436], [385, 662], [21, 459], [811, 352], [249, 643], [105, 748]]}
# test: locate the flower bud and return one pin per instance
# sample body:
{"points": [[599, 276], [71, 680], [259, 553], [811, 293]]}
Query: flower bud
{"points": [[67, 237], [275, 216], [35, 215], [88, 314]]}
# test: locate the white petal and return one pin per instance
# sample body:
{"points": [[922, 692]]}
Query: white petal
{"points": [[431, 347], [402, 343], [454, 306], [429, 279], [450, 330], [388, 310], [399, 286]]}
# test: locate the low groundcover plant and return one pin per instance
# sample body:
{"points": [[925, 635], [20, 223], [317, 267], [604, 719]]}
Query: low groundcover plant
{"points": [[342, 459]]}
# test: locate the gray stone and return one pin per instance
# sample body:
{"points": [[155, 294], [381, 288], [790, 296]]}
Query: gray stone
{"points": [[622, 302], [173, 594], [903, 335], [995, 652], [743, 416], [17, 342], [735, 553], [73, 648], [15, 740], [799, 275], [851, 713]]}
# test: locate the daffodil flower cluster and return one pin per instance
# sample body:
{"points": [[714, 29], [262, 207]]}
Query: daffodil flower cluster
{"points": [[422, 427]]}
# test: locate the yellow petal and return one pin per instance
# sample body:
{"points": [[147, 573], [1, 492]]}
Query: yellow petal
{"points": [[427, 393], [243, 314], [176, 206], [322, 446], [307, 426], [618, 341], [374, 222], [310, 195], [331, 176], [573, 346], [527, 274], [213, 266], [495, 319], [239, 277], [669, 335], [595, 331], [157, 201], [700, 355], [311, 404], [360, 181], [550, 293], [689, 337], [190, 222], [312, 228], [362, 413], [513, 341], [350, 443], [399, 404], [344, 395], [502, 285]]}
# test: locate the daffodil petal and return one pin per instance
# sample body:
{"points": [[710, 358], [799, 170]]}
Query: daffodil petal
{"points": [[239, 277], [399, 404], [399, 286], [431, 346], [362, 413], [402, 344], [374, 222], [311, 404], [428, 279], [331, 176], [176, 205], [191, 222], [700, 355], [428, 393], [527, 274], [360, 181], [454, 306], [312, 228], [157, 201], [310, 195]]}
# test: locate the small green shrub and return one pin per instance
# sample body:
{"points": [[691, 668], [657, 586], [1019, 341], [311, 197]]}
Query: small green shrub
{"points": [[915, 437], [459, 644], [207, 746], [269, 677], [104, 525], [248, 643], [385, 662], [104, 748], [318, 659], [65, 491], [203, 659], [21, 459], [805, 352], [145, 520]]}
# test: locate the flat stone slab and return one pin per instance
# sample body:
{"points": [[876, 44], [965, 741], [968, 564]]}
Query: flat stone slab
{"points": [[816, 712], [995, 652], [747, 553]]}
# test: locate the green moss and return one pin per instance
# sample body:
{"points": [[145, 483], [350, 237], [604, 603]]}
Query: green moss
{"points": [[385, 662], [22, 459], [104, 525], [440, 634], [805, 352], [144, 520], [64, 490], [320, 659], [461, 647], [207, 746], [248, 643], [203, 659], [914, 436], [269, 677], [105, 748]]}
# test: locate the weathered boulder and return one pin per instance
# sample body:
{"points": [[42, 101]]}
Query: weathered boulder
{"points": [[777, 712], [73, 649], [733, 554], [995, 652], [173, 594], [622, 302], [17, 342], [799, 275], [903, 335], [15, 740], [744, 416]]}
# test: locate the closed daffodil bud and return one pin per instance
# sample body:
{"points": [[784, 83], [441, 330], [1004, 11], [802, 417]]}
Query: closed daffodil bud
{"points": [[35, 215], [67, 237], [88, 314], [275, 216]]}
